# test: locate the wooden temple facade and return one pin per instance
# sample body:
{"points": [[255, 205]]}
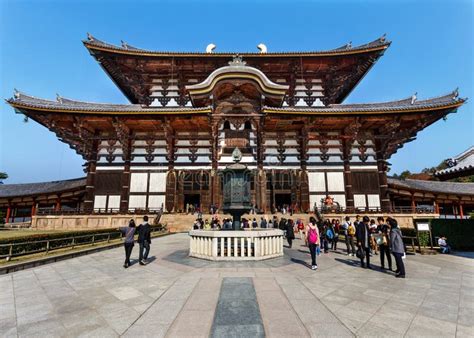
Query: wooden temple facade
{"points": [[189, 111]]}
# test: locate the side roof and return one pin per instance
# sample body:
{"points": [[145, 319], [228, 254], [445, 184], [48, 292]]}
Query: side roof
{"points": [[25, 104], [29, 189], [463, 162], [433, 186]]}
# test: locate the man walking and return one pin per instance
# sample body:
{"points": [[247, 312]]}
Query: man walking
{"points": [[363, 241], [144, 240]]}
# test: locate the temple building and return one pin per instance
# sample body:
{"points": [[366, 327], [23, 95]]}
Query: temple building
{"points": [[189, 111]]}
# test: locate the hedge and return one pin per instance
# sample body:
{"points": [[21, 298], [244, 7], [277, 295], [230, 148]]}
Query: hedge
{"points": [[460, 233], [30, 245]]}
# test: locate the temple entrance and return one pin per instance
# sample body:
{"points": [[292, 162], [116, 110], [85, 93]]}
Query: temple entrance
{"points": [[192, 199], [282, 200]]}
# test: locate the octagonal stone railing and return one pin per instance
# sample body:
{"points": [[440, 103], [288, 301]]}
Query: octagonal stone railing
{"points": [[243, 245]]}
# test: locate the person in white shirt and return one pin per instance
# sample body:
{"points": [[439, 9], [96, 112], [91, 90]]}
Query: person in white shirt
{"points": [[445, 248]]}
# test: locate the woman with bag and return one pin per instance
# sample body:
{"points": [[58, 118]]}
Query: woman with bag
{"points": [[129, 233], [313, 240], [397, 246]]}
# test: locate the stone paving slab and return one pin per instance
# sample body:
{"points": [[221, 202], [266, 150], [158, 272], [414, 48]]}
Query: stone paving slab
{"points": [[177, 296]]}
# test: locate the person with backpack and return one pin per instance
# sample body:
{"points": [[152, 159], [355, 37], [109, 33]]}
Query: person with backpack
{"points": [[349, 236], [129, 242], [325, 236], [330, 235], [313, 239]]}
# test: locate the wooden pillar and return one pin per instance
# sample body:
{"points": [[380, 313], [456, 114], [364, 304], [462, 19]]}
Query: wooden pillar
{"points": [[125, 191], [436, 206], [346, 144], [413, 203], [383, 184], [91, 171], [303, 202], [215, 179], [9, 212], [57, 205], [461, 210], [33, 208]]}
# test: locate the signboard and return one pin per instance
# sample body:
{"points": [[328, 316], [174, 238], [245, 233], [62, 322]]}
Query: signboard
{"points": [[423, 226]]}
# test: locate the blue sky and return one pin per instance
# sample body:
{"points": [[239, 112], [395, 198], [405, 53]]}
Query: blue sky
{"points": [[42, 54]]}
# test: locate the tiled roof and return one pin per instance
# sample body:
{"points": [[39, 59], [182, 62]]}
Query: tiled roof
{"points": [[380, 43], [29, 189], [400, 105], [433, 186], [21, 100], [462, 162]]}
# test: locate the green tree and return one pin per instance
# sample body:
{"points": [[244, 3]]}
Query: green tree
{"points": [[3, 176]]}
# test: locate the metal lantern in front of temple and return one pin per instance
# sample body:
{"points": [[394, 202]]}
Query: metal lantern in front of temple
{"points": [[236, 197]]}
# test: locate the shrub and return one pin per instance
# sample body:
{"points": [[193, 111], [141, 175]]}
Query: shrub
{"points": [[460, 233], [61, 239]]}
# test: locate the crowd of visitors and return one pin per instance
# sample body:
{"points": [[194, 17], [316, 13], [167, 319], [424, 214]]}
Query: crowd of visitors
{"points": [[364, 237]]}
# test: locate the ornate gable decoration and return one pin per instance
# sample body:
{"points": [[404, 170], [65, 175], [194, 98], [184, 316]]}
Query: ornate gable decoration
{"points": [[238, 72]]}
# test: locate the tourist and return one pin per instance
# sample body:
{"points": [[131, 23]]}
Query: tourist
{"points": [[443, 245], [348, 240], [196, 225], [207, 225], [300, 226], [290, 233], [254, 223], [384, 230], [313, 240], [326, 235], [270, 224], [363, 241], [129, 242], [144, 240], [373, 231], [263, 223], [397, 247], [282, 224], [335, 229], [351, 233]]}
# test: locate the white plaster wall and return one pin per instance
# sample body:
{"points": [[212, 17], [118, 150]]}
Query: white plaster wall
{"points": [[316, 182], [138, 182], [335, 181], [155, 202], [359, 201], [341, 199], [137, 202], [99, 201], [114, 202], [374, 200], [157, 182]]}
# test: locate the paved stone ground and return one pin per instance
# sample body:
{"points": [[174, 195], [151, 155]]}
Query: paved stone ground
{"points": [[177, 296]]}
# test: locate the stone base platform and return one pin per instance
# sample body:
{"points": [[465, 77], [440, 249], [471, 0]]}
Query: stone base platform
{"points": [[184, 222]]}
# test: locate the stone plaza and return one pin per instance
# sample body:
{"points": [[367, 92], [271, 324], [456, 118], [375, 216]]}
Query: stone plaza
{"points": [[178, 296]]}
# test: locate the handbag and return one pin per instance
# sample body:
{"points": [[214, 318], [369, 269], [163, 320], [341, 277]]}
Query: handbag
{"points": [[360, 253]]}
